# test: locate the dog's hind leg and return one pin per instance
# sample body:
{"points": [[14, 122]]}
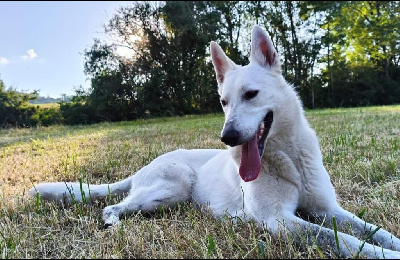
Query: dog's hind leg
{"points": [[349, 246], [381, 237], [161, 184]]}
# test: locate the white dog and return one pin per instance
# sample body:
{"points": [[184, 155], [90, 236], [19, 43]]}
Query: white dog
{"points": [[271, 169]]}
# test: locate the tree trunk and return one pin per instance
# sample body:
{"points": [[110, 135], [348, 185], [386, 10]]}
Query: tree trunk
{"points": [[329, 66]]}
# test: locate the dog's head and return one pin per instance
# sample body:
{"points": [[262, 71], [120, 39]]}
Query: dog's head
{"points": [[249, 96]]}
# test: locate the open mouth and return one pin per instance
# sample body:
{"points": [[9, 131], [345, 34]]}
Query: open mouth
{"points": [[252, 151], [263, 131]]}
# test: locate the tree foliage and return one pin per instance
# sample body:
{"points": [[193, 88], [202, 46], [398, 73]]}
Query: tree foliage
{"points": [[335, 54], [361, 51], [15, 110], [14, 107]]}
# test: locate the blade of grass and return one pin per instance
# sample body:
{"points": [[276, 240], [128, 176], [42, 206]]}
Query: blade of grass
{"points": [[336, 235], [368, 237]]}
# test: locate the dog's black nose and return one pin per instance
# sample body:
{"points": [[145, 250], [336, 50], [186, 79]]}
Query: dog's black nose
{"points": [[230, 137]]}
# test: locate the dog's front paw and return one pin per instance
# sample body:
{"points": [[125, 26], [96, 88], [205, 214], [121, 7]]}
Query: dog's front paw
{"points": [[111, 221], [110, 217]]}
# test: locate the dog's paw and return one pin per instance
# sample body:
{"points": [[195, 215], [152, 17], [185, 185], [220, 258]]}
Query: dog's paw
{"points": [[110, 217], [107, 226], [108, 212], [111, 221]]}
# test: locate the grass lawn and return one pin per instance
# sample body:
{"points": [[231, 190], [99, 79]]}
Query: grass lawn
{"points": [[360, 147], [46, 105]]}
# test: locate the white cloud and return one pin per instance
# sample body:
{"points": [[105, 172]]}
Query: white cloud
{"points": [[4, 61], [31, 54]]}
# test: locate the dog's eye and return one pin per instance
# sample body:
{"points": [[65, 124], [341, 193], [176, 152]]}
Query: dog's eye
{"points": [[223, 102], [250, 94]]}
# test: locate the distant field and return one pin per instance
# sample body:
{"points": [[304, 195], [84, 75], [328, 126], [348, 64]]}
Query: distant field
{"points": [[360, 146], [46, 105]]}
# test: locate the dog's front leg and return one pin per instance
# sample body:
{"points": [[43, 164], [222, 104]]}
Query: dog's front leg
{"points": [[146, 199], [164, 182], [381, 237], [305, 232], [130, 204]]}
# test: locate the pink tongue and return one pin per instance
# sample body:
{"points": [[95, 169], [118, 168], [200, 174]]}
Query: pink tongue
{"points": [[250, 163]]}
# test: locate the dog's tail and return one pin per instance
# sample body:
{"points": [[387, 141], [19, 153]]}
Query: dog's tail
{"points": [[67, 192]]}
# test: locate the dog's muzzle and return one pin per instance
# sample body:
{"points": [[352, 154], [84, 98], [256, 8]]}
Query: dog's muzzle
{"points": [[230, 136]]}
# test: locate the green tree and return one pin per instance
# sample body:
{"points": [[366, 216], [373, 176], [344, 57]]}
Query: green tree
{"points": [[334, 53], [294, 32], [14, 107], [76, 110], [363, 38], [169, 70]]}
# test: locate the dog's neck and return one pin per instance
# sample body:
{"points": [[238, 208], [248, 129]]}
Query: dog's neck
{"points": [[289, 116]]}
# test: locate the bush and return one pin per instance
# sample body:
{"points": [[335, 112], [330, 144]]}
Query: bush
{"points": [[15, 110], [47, 116]]}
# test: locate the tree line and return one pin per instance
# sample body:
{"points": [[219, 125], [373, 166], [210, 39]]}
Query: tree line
{"points": [[336, 54], [16, 111]]}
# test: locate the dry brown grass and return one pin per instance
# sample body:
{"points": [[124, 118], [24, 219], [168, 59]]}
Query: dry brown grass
{"points": [[361, 151]]}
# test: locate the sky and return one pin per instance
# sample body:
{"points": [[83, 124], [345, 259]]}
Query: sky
{"points": [[42, 43]]}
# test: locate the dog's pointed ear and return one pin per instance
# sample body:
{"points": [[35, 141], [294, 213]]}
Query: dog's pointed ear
{"points": [[262, 50], [220, 61]]}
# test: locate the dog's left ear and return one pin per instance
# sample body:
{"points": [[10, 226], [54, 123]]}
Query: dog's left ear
{"points": [[262, 50]]}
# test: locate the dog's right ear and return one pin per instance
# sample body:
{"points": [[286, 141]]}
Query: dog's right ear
{"points": [[220, 61]]}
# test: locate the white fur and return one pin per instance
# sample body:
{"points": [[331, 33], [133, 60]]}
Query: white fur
{"points": [[292, 176]]}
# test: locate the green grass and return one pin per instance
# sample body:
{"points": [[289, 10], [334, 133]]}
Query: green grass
{"points": [[46, 105], [360, 147]]}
